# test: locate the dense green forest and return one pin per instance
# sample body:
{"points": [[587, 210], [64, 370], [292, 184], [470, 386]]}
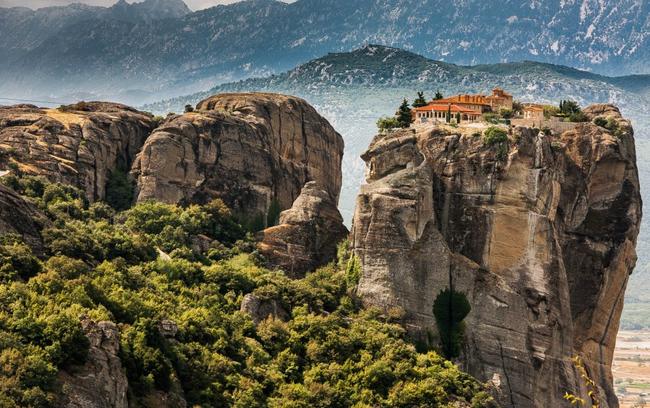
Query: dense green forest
{"points": [[142, 265]]}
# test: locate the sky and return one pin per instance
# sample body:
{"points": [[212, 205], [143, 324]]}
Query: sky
{"points": [[193, 4]]}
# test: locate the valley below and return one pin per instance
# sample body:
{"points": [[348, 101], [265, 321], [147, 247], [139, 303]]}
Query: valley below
{"points": [[631, 368]]}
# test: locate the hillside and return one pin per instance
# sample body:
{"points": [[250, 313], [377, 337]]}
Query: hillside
{"points": [[233, 289], [108, 52]]}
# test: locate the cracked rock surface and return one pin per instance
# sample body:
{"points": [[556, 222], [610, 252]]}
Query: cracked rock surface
{"points": [[80, 144]]}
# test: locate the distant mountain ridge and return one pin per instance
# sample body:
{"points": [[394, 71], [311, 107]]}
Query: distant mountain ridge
{"points": [[24, 30], [259, 37], [380, 67]]}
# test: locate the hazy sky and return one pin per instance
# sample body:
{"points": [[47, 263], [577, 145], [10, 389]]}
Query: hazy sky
{"points": [[193, 4]]}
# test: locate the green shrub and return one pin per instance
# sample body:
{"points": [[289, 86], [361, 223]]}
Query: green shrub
{"points": [[550, 110], [506, 113], [323, 348], [600, 121], [449, 309], [490, 117], [17, 261], [494, 135], [387, 123], [578, 117], [119, 190], [273, 215]]}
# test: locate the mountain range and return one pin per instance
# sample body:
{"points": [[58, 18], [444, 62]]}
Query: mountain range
{"points": [[160, 47], [353, 89]]}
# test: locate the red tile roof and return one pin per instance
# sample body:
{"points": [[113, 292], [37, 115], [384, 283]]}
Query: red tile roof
{"points": [[438, 107]]}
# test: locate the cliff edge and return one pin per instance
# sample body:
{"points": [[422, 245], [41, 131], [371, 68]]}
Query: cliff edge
{"points": [[81, 144], [537, 232]]}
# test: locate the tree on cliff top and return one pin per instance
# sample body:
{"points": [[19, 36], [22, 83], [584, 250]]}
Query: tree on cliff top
{"points": [[386, 123], [420, 100], [404, 115]]}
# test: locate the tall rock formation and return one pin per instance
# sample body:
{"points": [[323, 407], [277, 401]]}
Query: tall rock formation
{"points": [[255, 151], [79, 144], [538, 233]]}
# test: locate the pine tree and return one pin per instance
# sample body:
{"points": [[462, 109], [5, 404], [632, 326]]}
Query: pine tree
{"points": [[420, 100], [403, 114], [438, 96]]}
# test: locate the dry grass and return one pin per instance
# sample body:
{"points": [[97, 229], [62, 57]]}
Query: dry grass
{"points": [[67, 118]]}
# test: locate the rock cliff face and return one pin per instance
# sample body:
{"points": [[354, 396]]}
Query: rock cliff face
{"points": [[539, 239], [21, 218], [101, 382], [79, 145], [307, 234], [251, 150]]}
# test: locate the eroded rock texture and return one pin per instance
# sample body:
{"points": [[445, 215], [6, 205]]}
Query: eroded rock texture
{"points": [[251, 150], [21, 218], [101, 382], [80, 145], [307, 234], [541, 242]]}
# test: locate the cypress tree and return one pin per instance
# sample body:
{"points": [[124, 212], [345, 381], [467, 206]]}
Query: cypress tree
{"points": [[403, 114], [420, 100], [448, 118]]}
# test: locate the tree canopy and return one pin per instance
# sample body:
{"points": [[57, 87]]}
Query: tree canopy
{"points": [[326, 351]]}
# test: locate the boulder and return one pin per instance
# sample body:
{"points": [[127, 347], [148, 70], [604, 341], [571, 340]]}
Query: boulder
{"points": [[307, 234], [254, 151], [540, 240], [261, 309], [78, 144]]}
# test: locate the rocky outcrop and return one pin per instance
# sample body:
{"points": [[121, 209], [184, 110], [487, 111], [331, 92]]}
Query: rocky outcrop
{"points": [[101, 382], [307, 234], [538, 234], [260, 309], [251, 150], [79, 144], [21, 218]]}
